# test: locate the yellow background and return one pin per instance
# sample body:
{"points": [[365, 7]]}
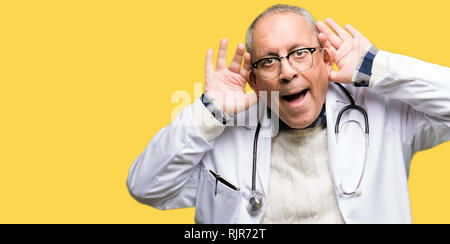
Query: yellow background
{"points": [[86, 84]]}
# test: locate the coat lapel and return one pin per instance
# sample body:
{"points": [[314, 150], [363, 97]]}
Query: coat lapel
{"points": [[332, 111]]}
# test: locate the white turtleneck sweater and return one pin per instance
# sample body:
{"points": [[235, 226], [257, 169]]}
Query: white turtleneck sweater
{"points": [[301, 188]]}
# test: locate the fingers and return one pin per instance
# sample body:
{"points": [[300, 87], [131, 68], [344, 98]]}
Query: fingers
{"points": [[247, 62], [332, 37], [247, 66], [222, 55], [353, 31], [209, 66], [338, 29], [327, 46], [235, 65], [324, 41]]}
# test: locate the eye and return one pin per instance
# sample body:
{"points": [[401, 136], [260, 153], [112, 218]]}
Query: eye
{"points": [[268, 62], [300, 54]]}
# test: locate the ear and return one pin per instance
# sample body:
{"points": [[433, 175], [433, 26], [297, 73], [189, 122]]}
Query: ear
{"points": [[328, 59], [252, 82]]}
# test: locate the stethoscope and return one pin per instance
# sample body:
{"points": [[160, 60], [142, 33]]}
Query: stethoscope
{"points": [[256, 199]]}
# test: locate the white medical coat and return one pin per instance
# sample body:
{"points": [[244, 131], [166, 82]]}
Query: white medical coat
{"points": [[408, 105]]}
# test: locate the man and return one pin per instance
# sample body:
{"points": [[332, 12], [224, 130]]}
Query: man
{"points": [[310, 171]]}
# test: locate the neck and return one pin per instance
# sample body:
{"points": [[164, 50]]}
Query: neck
{"points": [[319, 120]]}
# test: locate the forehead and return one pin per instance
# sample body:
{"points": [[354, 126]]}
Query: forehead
{"points": [[276, 33]]}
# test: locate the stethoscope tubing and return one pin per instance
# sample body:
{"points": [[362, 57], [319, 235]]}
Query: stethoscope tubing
{"points": [[352, 105], [255, 152]]}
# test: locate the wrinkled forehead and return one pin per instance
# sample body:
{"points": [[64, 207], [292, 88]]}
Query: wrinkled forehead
{"points": [[279, 33]]}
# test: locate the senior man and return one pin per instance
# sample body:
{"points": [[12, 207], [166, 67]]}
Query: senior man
{"points": [[345, 139]]}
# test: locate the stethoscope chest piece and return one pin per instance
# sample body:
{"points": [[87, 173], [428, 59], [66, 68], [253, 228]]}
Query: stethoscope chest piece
{"points": [[256, 202]]}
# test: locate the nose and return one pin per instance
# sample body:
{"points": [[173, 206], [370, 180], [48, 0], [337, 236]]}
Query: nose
{"points": [[287, 72]]}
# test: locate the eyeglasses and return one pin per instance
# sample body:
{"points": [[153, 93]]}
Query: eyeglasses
{"points": [[301, 60]]}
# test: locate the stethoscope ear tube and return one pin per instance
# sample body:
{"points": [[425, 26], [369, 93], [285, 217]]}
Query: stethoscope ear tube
{"points": [[357, 192], [256, 198], [357, 107], [255, 152], [351, 106]]}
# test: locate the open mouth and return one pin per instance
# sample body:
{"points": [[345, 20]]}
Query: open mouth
{"points": [[295, 97]]}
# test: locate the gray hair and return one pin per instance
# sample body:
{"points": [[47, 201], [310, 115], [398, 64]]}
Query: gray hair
{"points": [[279, 8]]}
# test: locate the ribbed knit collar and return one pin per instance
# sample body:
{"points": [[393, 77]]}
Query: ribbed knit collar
{"points": [[321, 119]]}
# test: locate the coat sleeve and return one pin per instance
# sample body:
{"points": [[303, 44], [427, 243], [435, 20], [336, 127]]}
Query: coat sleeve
{"points": [[166, 173], [424, 88]]}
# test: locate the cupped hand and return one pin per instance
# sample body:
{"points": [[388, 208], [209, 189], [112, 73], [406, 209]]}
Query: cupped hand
{"points": [[226, 85], [347, 48]]}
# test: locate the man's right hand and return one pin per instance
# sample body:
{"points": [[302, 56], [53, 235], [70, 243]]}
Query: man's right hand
{"points": [[226, 86]]}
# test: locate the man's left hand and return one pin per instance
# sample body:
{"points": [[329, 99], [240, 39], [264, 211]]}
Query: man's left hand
{"points": [[346, 48]]}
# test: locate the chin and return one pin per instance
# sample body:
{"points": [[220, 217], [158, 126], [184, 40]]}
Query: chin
{"points": [[299, 122]]}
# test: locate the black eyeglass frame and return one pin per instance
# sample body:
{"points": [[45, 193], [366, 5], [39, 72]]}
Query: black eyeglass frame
{"points": [[310, 49]]}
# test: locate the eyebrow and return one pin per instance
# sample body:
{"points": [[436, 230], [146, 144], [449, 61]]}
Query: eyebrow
{"points": [[292, 48]]}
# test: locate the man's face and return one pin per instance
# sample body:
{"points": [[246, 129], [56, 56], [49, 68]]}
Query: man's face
{"points": [[278, 34]]}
